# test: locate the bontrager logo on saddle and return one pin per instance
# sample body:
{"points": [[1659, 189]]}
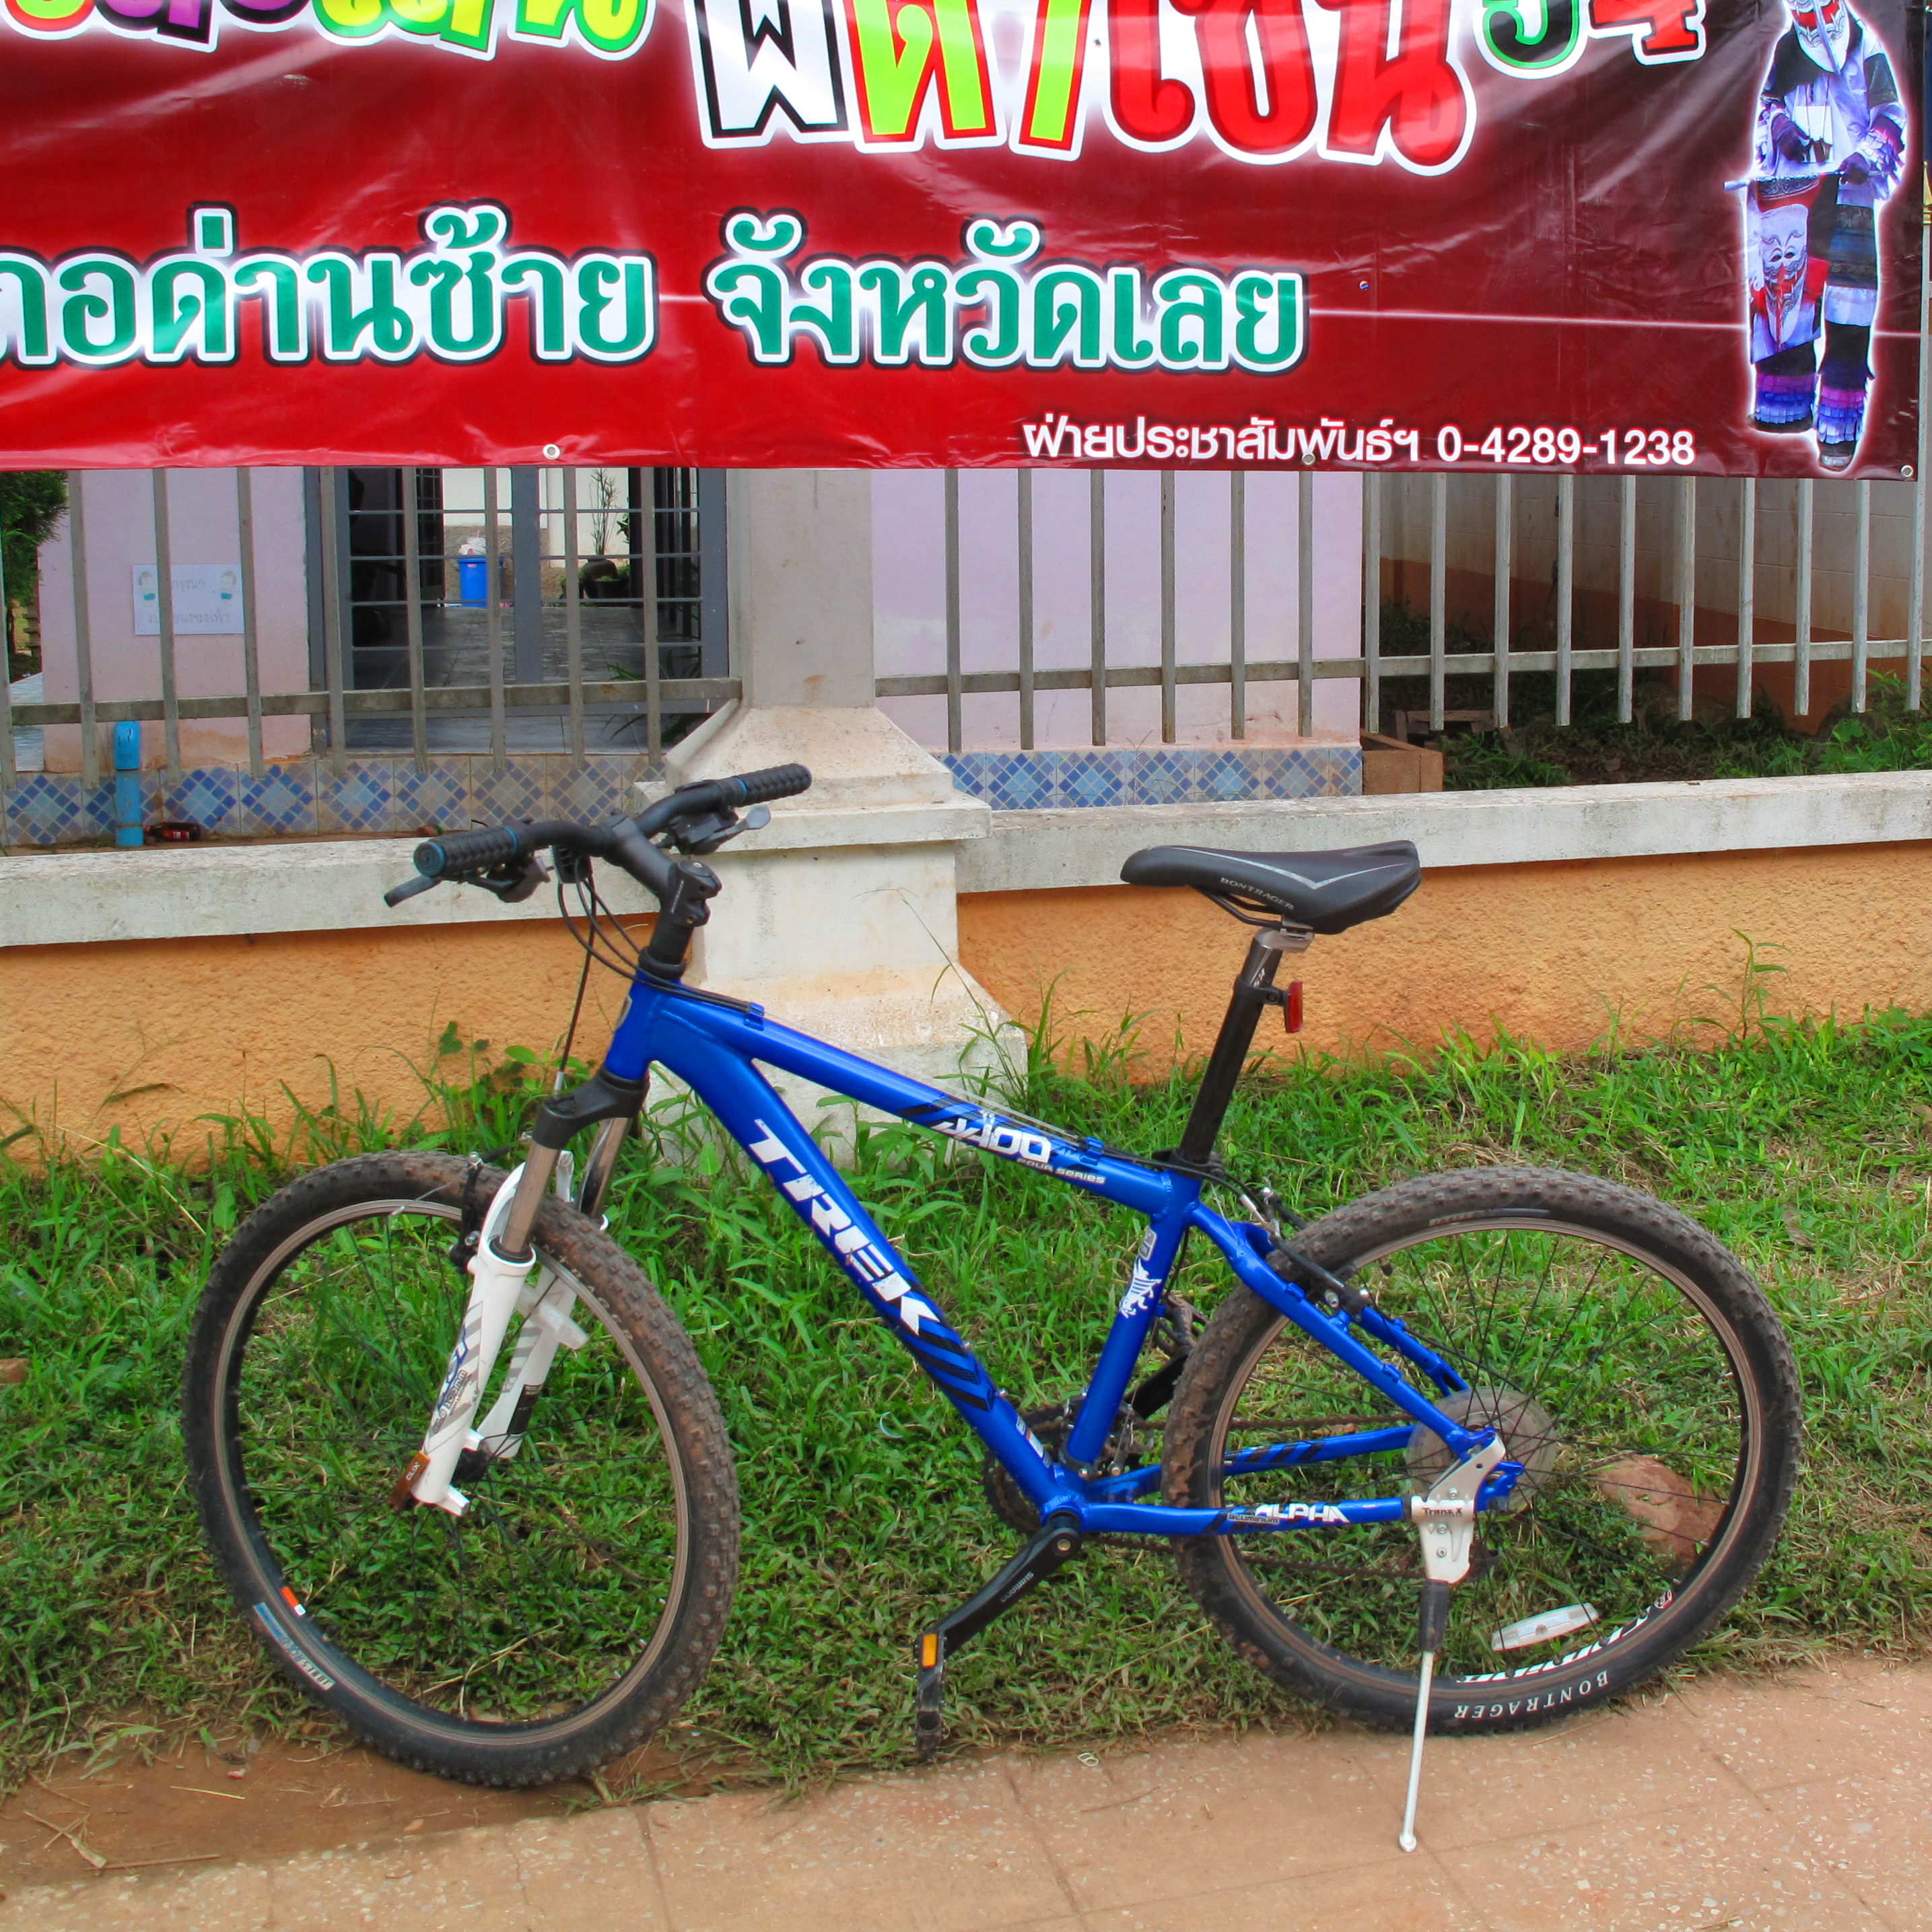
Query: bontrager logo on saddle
{"points": [[456, 1459]]}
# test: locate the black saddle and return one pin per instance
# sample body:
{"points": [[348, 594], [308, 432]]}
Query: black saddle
{"points": [[1327, 891]]}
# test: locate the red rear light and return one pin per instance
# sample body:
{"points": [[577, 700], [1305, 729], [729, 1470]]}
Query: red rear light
{"points": [[1291, 1007]]}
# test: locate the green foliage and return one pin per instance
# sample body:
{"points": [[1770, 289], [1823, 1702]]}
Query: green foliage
{"points": [[1805, 1146], [31, 503]]}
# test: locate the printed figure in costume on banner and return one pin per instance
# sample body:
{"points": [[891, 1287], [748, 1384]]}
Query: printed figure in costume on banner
{"points": [[1830, 147]]}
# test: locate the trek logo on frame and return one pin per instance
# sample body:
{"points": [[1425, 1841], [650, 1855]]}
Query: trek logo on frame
{"points": [[850, 1246]]}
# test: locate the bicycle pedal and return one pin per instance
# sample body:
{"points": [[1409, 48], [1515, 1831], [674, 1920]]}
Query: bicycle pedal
{"points": [[928, 1718]]}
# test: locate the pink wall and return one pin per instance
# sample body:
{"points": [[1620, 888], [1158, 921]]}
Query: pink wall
{"points": [[119, 517], [909, 580]]}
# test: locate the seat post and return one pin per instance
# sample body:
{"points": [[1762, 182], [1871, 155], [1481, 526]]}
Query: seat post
{"points": [[1251, 994]]}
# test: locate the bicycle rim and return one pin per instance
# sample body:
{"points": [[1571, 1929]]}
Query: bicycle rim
{"points": [[553, 1592], [1616, 1379]]}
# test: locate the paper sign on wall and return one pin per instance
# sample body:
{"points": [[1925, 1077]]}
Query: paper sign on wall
{"points": [[208, 600]]}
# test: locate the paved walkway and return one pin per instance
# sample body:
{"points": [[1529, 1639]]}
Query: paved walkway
{"points": [[1801, 1804]]}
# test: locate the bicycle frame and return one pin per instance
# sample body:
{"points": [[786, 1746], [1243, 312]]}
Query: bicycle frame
{"points": [[713, 1045]]}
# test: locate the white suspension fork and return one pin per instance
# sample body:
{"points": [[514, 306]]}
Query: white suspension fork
{"points": [[547, 1328], [496, 1285]]}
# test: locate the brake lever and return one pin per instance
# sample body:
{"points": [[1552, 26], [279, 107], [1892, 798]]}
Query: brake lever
{"points": [[705, 835], [514, 883]]}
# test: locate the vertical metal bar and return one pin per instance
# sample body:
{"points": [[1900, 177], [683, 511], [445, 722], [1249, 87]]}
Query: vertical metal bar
{"points": [[1915, 617], [1747, 591], [493, 617], [251, 655], [332, 619], [1167, 613], [1439, 594], [7, 771], [526, 610], [1687, 592], [83, 628], [1566, 590], [1626, 597], [1304, 598], [955, 735], [1096, 598], [412, 620], [650, 612], [1499, 619], [1801, 666], [1025, 504], [164, 599], [573, 621], [1861, 599], [1371, 598], [1237, 603]]}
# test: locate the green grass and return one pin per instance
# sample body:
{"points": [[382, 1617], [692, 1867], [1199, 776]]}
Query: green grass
{"points": [[1807, 1147]]}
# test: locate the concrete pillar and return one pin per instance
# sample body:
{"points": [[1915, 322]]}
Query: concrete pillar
{"points": [[840, 917]]}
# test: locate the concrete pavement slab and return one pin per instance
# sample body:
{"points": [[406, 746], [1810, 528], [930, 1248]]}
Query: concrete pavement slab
{"points": [[948, 1852], [1414, 1895], [1132, 1828], [1679, 1813], [1833, 1720], [1738, 1865], [1873, 1833], [1625, 1761]]}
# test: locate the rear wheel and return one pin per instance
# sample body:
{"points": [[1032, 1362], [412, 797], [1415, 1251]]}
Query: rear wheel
{"points": [[570, 1610], [1634, 1369]]}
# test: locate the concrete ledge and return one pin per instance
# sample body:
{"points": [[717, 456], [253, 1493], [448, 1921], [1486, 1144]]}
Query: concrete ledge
{"points": [[74, 898], [1033, 851], [67, 898]]}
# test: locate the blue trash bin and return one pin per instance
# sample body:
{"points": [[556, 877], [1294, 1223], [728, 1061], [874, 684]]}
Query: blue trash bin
{"points": [[473, 579]]}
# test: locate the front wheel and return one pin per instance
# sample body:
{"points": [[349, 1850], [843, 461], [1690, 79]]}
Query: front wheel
{"points": [[566, 1614], [1634, 1370]]}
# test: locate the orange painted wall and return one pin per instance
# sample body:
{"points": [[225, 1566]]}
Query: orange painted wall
{"points": [[1553, 953], [147, 1034]]}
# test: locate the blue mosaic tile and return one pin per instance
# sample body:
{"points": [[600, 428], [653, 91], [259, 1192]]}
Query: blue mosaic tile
{"points": [[519, 791], [1223, 777], [600, 791], [46, 809], [282, 799], [360, 799], [1162, 778], [436, 800], [204, 795], [1092, 779], [1019, 781], [97, 806]]}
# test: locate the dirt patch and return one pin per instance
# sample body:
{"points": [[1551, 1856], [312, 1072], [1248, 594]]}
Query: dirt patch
{"points": [[272, 1800]]}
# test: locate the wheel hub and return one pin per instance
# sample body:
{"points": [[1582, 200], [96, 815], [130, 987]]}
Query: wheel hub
{"points": [[1528, 1429]]}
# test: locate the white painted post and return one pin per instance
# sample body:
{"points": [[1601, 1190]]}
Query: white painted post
{"points": [[840, 917]]}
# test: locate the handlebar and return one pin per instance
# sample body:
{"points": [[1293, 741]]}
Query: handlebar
{"points": [[699, 817]]}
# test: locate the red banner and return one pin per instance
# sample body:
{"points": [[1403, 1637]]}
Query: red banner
{"points": [[1581, 235]]}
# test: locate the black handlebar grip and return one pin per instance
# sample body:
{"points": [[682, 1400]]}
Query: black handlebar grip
{"points": [[776, 781], [467, 851]]}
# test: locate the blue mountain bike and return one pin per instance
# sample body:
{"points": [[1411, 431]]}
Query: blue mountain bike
{"points": [[464, 1474]]}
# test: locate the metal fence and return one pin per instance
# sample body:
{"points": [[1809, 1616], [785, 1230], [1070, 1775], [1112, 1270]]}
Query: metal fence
{"points": [[1099, 676], [1498, 578], [566, 612]]}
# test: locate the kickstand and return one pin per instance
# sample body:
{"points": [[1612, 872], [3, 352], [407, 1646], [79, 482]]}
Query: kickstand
{"points": [[1447, 1518], [1056, 1544], [1435, 1620]]}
